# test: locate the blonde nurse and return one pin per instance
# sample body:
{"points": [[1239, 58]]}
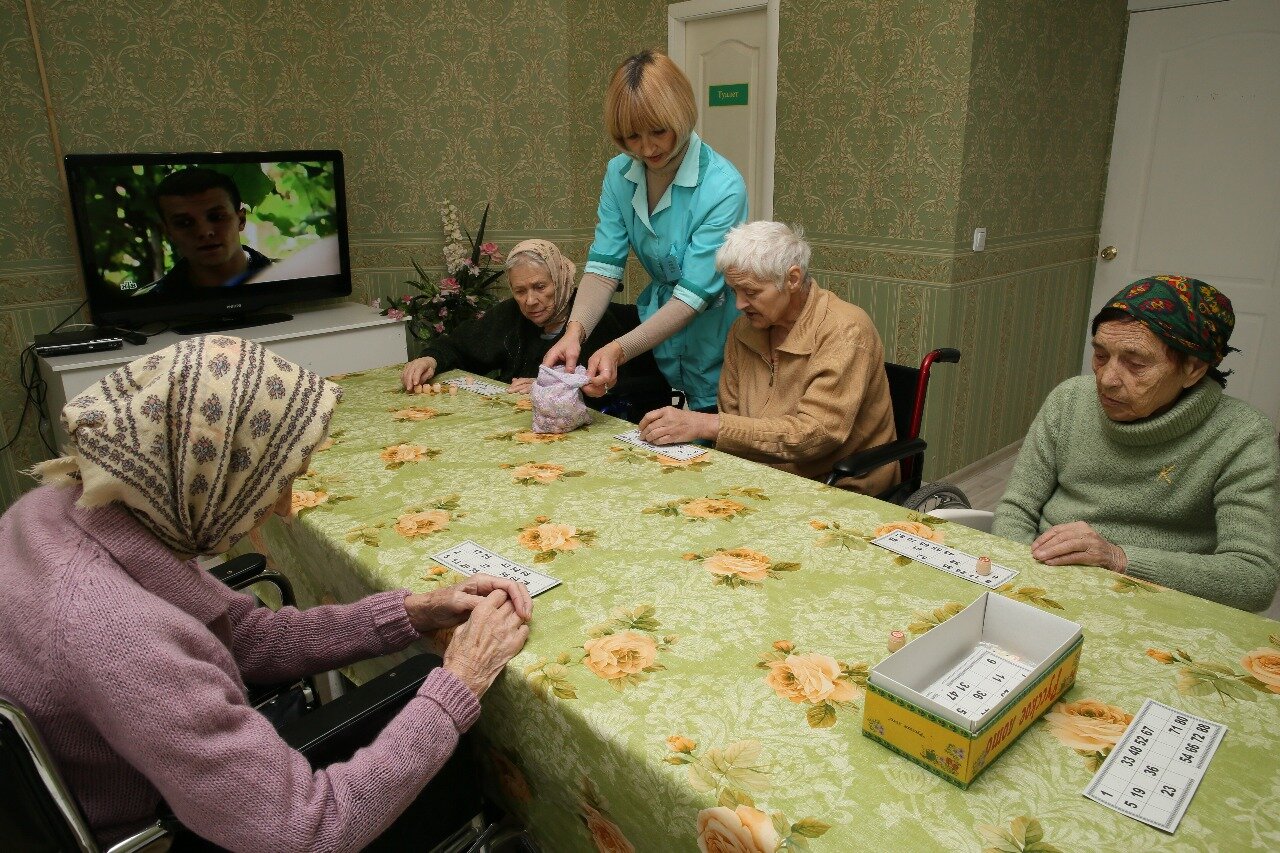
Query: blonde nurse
{"points": [[670, 199]]}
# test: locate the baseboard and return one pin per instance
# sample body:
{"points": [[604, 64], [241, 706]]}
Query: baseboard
{"points": [[985, 464]]}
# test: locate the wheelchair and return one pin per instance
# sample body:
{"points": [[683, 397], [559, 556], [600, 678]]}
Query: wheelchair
{"points": [[907, 389]]}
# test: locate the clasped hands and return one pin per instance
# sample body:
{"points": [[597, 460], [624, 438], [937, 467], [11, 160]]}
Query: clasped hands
{"points": [[491, 616], [1078, 544]]}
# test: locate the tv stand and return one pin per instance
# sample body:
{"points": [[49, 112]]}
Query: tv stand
{"points": [[340, 338], [226, 322]]}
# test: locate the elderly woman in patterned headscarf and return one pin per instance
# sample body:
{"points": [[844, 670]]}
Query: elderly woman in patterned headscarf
{"points": [[512, 338], [132, 661], [1149, 469]]}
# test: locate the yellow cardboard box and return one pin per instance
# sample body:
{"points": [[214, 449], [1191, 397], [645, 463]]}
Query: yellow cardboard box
{"points": [[898, 715]]}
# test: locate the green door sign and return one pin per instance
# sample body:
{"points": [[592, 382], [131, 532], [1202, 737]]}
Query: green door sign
{"points": [[730, 95]]}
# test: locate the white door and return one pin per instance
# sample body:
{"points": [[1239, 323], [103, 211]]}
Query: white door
{"points": [[1194, 182], [725, 48]]}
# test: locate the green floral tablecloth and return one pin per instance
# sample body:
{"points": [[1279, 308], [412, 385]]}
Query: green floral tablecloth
{"points": [[701, 667]]}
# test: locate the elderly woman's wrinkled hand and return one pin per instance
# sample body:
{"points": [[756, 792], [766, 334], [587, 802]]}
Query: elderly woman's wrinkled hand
{"points": [[675, 426], [417, 372], [521, 385], [445, 608], [483, 645], [1078, 544]]}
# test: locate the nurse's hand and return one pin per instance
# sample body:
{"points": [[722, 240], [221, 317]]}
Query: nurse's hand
{"points": [[566, 350], [602, 370]]}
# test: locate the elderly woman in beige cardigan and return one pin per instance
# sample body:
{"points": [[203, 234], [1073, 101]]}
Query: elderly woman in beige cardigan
{"points": [[803, 383]]}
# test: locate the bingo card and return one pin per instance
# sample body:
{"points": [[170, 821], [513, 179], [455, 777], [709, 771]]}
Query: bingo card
{"points": [[469, 558], [1152, 773], [945, 559], [478, 386], [974, 686], [681, 452]]}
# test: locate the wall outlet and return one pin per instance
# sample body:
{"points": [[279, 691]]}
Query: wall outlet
{"points": [[979, 239]]}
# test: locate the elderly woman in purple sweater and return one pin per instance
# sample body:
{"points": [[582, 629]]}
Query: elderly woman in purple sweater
{"points": [[132, 661]]}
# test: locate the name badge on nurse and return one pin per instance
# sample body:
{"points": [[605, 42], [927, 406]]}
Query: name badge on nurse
{"points": [[669, 269]]}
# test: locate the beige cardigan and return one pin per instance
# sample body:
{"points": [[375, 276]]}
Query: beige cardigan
{"points": [[827, 398]]}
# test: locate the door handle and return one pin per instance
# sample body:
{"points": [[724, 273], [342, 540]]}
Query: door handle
{"points": [[1109, 253]]}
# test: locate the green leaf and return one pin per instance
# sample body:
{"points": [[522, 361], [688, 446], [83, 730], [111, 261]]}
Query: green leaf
{"points": [[780, 824], [810, 827], [902, 561], [731, 798], [1217, 667], [1255, 684], [544, 556], [1032, 832], [742, 753], [821, 716], [785, 567], [1274, 639], [700, 779], [1233, 688]]}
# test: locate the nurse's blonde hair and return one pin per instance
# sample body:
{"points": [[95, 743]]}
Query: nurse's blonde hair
{"points": [[649, 92]]}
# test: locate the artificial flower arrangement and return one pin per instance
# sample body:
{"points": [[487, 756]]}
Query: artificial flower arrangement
{"points": [[462, 294]]}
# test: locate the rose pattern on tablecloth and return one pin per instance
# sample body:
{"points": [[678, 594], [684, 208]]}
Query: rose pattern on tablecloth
{"points": [[1089, 726], [840, 606], [819, 680], [623, 650], [735, 567]]}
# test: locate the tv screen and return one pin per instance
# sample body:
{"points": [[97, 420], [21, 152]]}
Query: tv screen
{"points": [[208, 237]]}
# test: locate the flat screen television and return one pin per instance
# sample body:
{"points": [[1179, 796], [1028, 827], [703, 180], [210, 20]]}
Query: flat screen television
{"points": [[208, 238]]}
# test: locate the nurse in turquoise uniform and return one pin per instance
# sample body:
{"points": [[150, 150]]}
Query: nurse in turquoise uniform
{"points": [[670, 199]]}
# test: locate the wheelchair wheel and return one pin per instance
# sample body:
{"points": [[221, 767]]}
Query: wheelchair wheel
{"points": [[933, 496]]}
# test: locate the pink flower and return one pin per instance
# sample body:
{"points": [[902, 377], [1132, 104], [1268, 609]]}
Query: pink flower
{"points": [[395, 314], [489, 248], [449, 285], [406, 298], [444, 312], [439, 327], [479, 314], [376, 304]]}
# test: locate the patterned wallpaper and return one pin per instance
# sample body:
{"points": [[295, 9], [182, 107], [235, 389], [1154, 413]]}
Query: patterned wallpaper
{"points": [[904, 125], [899, 125]]}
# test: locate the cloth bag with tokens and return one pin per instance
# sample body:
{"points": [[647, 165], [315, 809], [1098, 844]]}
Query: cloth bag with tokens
{"points": [[557, 400]]}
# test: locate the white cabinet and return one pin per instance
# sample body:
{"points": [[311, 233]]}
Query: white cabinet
{"points": [[338, 339]]}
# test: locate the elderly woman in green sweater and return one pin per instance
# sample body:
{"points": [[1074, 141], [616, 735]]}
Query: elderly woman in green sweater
{"points": [[1150, 469]]}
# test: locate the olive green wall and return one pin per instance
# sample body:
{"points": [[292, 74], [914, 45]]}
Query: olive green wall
{"points": [[901, 126], [463, 100], [904, 126]]}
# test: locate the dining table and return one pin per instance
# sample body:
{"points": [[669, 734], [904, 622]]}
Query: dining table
{"points": [[696, 679]]}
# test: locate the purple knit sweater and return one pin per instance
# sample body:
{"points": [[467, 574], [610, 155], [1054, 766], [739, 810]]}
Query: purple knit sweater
{"points": [[131, 661]]}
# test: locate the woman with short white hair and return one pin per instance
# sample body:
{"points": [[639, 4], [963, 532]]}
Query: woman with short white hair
{"points": [[803, 384]]}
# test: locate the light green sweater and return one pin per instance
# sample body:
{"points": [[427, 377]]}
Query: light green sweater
{"points": [[1190, 495]]}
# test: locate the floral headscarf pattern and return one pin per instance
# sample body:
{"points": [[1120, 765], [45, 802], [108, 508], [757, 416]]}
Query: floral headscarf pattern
{"points": [[1192, 317], [562, 273], [198, 440]]}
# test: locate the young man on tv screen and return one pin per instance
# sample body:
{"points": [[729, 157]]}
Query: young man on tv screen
{"points": [[202, 216]]}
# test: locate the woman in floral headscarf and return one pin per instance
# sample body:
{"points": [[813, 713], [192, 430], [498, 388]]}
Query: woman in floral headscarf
{"points": [[513, 337], [1149, 469], [132, 661]]}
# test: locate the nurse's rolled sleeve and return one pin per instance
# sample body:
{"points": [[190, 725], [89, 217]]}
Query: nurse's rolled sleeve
{"points": [[612, 244], [700, 284]]}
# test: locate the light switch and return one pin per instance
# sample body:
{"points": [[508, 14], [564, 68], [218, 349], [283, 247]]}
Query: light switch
{"points": [[979, 239]]}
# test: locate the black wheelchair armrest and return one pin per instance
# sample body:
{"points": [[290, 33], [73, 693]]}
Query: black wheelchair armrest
{"points": [[237, 572], [866, 461], [333, 732]]}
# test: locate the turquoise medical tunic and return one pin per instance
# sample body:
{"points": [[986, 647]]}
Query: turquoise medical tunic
{"points": [[677, 246]]}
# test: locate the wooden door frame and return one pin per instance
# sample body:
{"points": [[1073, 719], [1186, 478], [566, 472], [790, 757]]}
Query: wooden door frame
{"points": [[678, 14]]}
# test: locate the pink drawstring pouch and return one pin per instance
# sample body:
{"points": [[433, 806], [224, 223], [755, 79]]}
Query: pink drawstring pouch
{"points": [[557, 400]]}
